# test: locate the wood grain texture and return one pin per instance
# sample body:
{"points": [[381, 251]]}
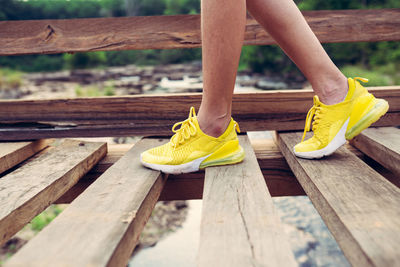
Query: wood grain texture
{"points": [[13, 153], [101, 227], [239, 225], [145, 114], [359, 206], [30, 189], [180, 31], [381, 144]]}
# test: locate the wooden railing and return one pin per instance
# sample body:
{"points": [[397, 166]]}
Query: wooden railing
{"points": [[182, 31]]}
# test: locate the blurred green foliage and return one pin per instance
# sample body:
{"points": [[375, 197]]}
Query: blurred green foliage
{"points": [[44, 218], [10, 79], [90, 91], [376, 78], [263, 59], [93, 91], [85, 60]]}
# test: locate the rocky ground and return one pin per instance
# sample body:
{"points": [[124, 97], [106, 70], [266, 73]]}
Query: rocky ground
{"points": [[11, 247], [132, 79], [312, 243], [167, 217]]}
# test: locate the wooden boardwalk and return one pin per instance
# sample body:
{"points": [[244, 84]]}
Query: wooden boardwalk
{"points": [[239, 224]]}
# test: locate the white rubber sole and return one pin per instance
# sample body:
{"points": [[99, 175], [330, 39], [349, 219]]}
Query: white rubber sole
{"points": [[336, 142], [192, 166]]}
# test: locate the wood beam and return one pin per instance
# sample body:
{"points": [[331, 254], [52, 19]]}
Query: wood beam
{"points": [[145, 114], [180, 31]]}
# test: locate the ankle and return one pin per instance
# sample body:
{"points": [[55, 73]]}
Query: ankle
{"points": [[334, 91], [213, 125]]}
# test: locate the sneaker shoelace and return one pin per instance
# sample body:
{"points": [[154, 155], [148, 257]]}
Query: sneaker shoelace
{"points": [[314, 112], [186, 131]]}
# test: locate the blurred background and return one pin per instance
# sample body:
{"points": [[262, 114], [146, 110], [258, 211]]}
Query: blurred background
{"points": [[171, 236]]}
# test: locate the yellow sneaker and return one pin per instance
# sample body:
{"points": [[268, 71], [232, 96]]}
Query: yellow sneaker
{"points": [[333, 124], [190, 149]]}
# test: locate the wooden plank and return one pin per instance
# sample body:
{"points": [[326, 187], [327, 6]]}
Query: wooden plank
{"points": [[239, 225], [13, 153], [381, 144], [145, 114], [101, 227], [180, 31], [277, 174], [359, 206], [30, 189]]}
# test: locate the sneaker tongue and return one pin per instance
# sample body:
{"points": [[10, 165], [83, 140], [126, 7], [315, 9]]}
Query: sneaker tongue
{"points": [[352, 87]]}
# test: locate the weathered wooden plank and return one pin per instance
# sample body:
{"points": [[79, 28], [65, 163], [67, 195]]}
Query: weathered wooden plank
{"points": [[145, 114], [110, 215], [239, 225], [13, 153], [180, 31], [381, 144], [28, 190], [359, 206]]}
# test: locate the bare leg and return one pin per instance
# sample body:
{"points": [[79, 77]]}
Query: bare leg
{"points": [[283, 20], [222, 24]]}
